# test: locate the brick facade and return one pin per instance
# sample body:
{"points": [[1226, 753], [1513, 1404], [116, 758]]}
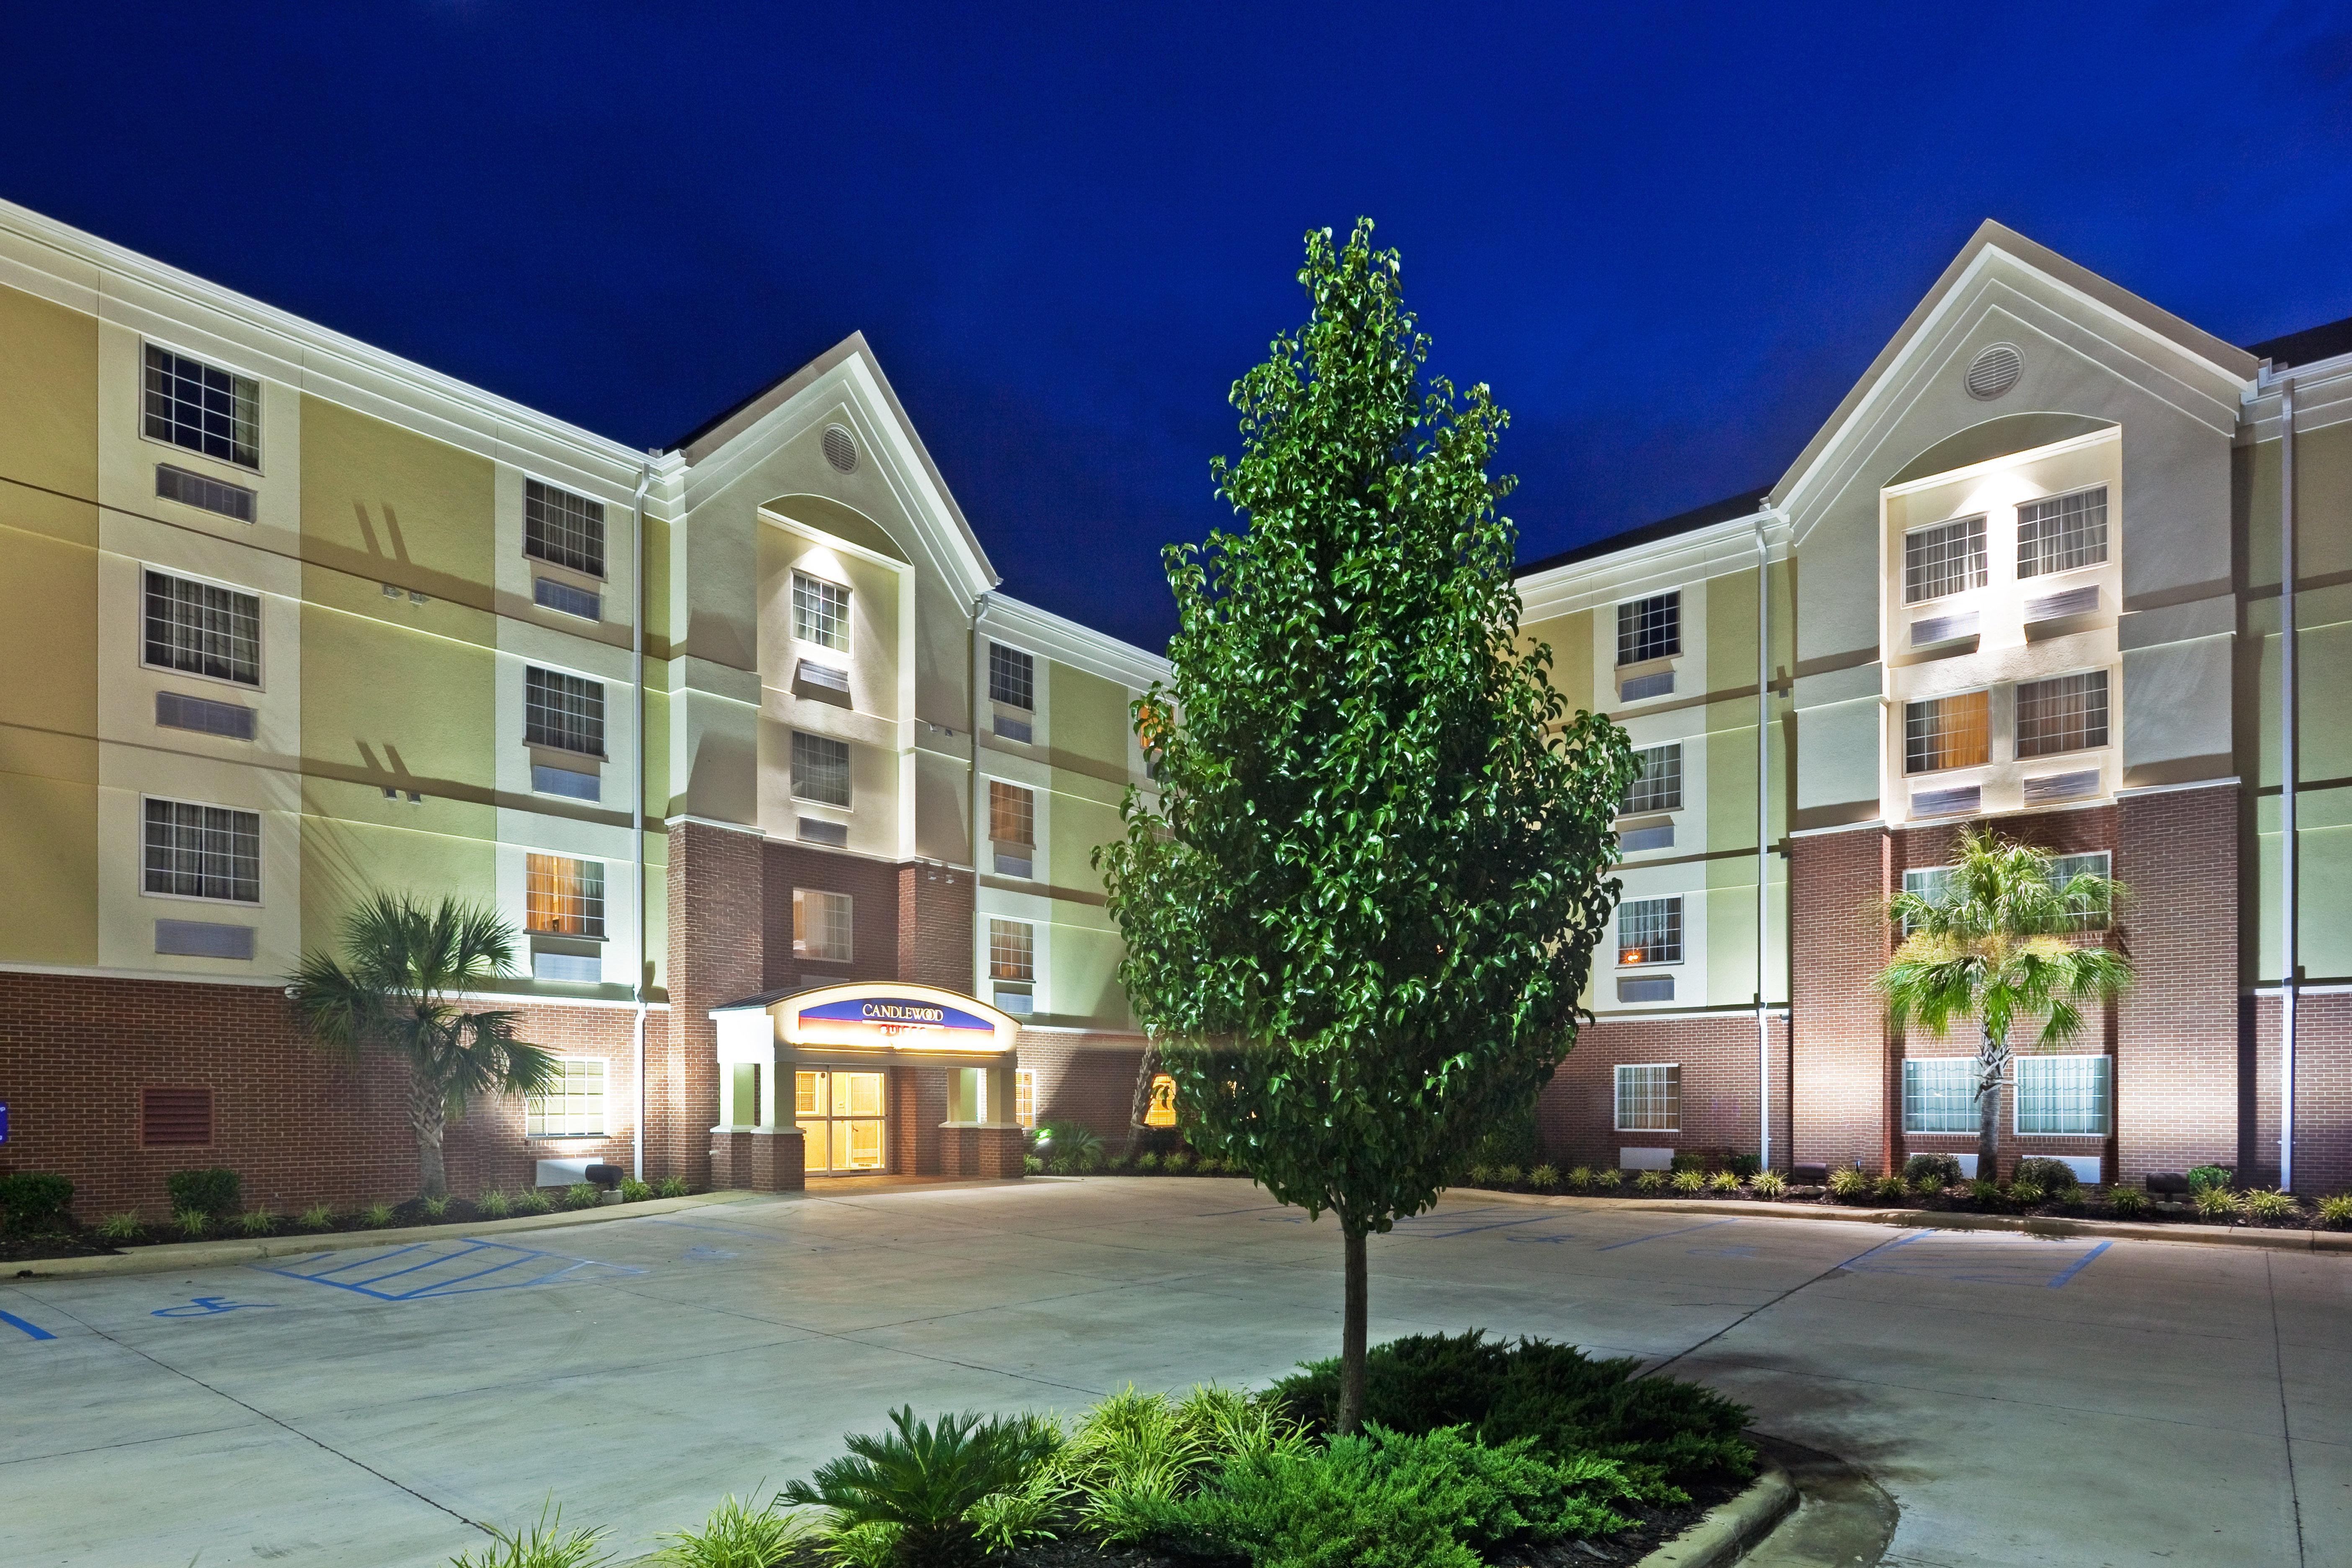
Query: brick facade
{"points": [[1840, 1059], [717, 955], [1576, 1115], [1089, 1079]]}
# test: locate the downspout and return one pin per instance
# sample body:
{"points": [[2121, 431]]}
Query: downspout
{"points": [[637, 820], [2289, 967], [979, 790], [1763, 844]]}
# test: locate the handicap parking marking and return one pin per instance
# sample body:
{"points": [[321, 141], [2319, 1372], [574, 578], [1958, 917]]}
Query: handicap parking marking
{"points": [[1661, 1236], [208, 1307], [32, 1329], [1981, 1257], [431, 1269]]}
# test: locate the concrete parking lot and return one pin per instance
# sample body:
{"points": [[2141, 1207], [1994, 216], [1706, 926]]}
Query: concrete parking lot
{"points": [[2025, 1401]]}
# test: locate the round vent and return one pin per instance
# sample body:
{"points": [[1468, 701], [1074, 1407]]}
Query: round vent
{"points": [[1991, 373], [841, 446]]}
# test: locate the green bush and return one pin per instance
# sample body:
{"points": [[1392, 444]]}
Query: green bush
{"points": [[1743, 1166], [1650, 1182], [1984, 1193], [2335, 1213], [1727, 1183], [213, 1191], [1211, 1165], [2025, 1194], [192, 1222], [318, 1217], [2217, 1203], [1032, 1165], [1889, 1189], [737, 1535], [543, 1545], [1147, 1163], [583, 1195], [123, 1226], [2273, 1204], [1934, 1170], [1176, 1161], [1068, 1147], [1507, 1176], [1666, 1433], [1689, 1183], [1511, 1141], [2053, 1176], [258, 1222], [1544, 1178], [34, 1199], [925, 1478], [1477, 1175], [1607, 1181], [2203, 1176], [494, 1204], [1580, 1179], [2129, 1203], [1687, 1160], [670, 1187], [1770, 1184], [1848, 1182], [634, 1190], [532, 1200], [376, 1216]]}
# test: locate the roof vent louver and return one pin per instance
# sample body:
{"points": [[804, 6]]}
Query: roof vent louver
{"points": [[840, 447], [1994, 371]]}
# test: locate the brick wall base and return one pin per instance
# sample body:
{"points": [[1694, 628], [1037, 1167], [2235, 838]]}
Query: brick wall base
{"points": [[1089, 1079], [1576, 1115], [771, 1162]]}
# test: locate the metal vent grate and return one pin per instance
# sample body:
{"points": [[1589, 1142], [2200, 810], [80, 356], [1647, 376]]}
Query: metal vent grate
{"points": [[550, 595], [814, 831], [1947, 802], [1943, 628], [1649, 988], [230, 719], [175, 1118], [1635, 839], [840, 448], [2058, 606], [2062, 786], [1641, 687], [1994, 371], [811, 673], [204, 938]]}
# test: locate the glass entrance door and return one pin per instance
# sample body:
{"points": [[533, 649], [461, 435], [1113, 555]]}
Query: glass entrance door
{"points": [[840, 1118]]}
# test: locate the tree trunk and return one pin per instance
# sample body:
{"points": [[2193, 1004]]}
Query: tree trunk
{"points": [[1351, 1332], [428, 1116], [1992, 1057], [1140, 1100]]}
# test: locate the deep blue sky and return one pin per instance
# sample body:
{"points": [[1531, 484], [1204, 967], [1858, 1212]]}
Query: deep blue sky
{"points": [[1670, 236]]}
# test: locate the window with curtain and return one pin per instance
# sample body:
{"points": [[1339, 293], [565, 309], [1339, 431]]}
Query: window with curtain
{"points": [[1011, 676], [819, 768], [1650, 1097], [1012, 813], [1939, 1094], [820, 612], [822, 927], [202, 629], [1649, 931], [203, 408], [563, 897], [565, 711], [573, 1103], [1948, 558], [1660, 785], [1650, 628], [562, 529], [203, 851], [2062, 532], [2066, 713], [2064, 1095], [1953, 732]]}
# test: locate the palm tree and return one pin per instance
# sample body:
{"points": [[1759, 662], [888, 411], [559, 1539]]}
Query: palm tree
{"points": [[1998, 939], [404, 965]]}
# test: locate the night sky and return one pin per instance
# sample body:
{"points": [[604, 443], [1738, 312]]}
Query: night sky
{"points": [[1669, 236]]}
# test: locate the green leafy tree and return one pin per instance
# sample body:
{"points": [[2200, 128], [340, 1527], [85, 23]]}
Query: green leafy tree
{"points": [[395, 990], [1361, 907], [1997, 938]]}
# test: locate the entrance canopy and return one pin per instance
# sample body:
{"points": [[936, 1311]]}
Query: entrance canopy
{"points": [[889, 1022]]}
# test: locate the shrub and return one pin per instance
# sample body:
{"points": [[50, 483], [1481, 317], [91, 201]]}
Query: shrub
{"points": [[1743, 1166], [1544, 1178], [1512, 1141], [583, 1195], [1666, 1433], [1067, 1146], [1726, 1183], [258, 1222], [1848, 1182], [1984, 1193], [1147, 1162], [2203, 1176], [124, 1225], [34, 1199], [1210, 1165], [1477, 1175], [1687, 1160], [670, 1187], [634, 1190], [543, 1545], [1176, 1160], [192, 1222], [2025, 1194], [436, 1208], [1889, 1189], [2335, 1213], [1770, 1184], [2053, 1176], [1690, 1182], [376, 1216], [318, 1217], [494, 1204], [1936, 1170], [213, 1191], [1580, 1179], [2217, 1203], [2265, 1203], [926, 1477], [1507, 1176], [1650, 1182], [1607, 1181], [737, 1535], [532, 1200]]}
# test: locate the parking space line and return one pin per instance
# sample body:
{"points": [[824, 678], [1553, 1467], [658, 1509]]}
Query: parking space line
{"points": [[2080, 1264], [13, 1322], [1662, 1236]]}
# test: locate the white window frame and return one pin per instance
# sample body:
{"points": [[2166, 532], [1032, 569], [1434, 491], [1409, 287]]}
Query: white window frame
{"points": [[1903, 717], [848, 619], [1025, 1097], [603, 706], [2102, 1077], [2017, 715], [1681, 934], [1984, 539], [1672, 1080], [849, 765], [2107, 530], [603, 904], [807, 903], [261, 621], [260, 855], [604, 520], [534, 1106], [990, 675], [1676, 748], [1966, 1066], [213, 363], [1674, 596]]}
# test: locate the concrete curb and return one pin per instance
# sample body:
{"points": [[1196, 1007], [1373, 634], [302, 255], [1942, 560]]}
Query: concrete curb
{"points": [[166, 1257], [1930, 1219], [1727, 1530]]}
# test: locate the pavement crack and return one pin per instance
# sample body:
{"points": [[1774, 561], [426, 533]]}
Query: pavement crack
{"points": [[2286, 1416]]}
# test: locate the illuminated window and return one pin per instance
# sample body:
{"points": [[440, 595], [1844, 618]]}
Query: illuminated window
{"points": [[204, 408], [820, 769], [1025, 1097], [821, 926], [1650, 628], [1650, 1097], [820, 612], [1660, 787], [565, 711], [202, 852], [1012, 813], [1948, 558], [204, 629], [1011, 676], [2068, 713], [573, 1104], [563, 897], [1012, 951], [1939, 1093], [562, 529], [2064, 1095], [2064, 868], [1649, 931], [2063, 533], [1947, 732]]}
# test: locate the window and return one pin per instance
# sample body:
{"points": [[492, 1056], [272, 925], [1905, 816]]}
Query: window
{"points": [[573, 1103], [204, 629], [203, 492], [1011, 676], [1012, 813], [1650, 1097], [2063, 533], [202, 852], [2064, 868], [565, 711], [562, 529], [820, 769], [175, 1118], [1025, 1097], [204, 408], [1649, 931], [2064, 1095], [821, 926], [1939, 1093], [1660, 787], [1948, 558], [820, 612], [1927, 883], [1012, 951], [563, 897], [2068, 713], [1650, 628], [1947, 732]]}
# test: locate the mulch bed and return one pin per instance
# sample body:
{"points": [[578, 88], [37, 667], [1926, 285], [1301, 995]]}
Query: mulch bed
{"points": [[1954, 1200], [79, 1240]]}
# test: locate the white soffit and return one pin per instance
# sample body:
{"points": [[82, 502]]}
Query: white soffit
{"points": [[1713, 551]]}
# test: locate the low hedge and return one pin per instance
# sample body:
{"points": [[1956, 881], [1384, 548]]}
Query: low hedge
{"points": [[34, 1199]]}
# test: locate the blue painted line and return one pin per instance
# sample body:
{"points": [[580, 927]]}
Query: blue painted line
{"points": [[1886, 1247], [2079, 1265], [1473, 1229], [444, 1286], [395, 1273], [13, 1322], [356, 1262], [1664, 1233]]}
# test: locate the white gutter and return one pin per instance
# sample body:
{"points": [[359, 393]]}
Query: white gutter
{"points": [[2289, 967], [1763, 843], [979, 795], [637, 822]]}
